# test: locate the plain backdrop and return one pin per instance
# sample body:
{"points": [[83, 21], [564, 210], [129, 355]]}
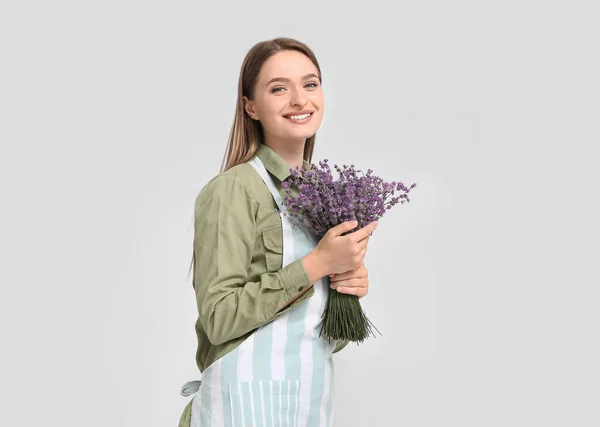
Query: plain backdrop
{"points": [[114, 114]]}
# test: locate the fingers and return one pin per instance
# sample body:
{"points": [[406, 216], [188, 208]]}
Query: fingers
{"points": [[348, 283], [340, 229], [358, 287], [364, 232], [363, 243], [359, 273], [362, 254], [339, 277]]}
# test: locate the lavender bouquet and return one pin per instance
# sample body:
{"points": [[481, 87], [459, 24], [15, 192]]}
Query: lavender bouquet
{"points": [[324, 202]]}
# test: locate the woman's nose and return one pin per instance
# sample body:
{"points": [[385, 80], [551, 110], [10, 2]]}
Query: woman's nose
{"points": [[298, 98]]}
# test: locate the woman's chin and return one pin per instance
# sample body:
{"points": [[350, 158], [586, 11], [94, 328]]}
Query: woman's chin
{"points": [[306, 133]]}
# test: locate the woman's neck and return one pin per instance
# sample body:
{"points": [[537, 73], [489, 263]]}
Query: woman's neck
{"points": [[290, 151]]}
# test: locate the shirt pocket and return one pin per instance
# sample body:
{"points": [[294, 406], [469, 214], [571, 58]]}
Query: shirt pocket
{"points": [[273, 242], [264, 403]]}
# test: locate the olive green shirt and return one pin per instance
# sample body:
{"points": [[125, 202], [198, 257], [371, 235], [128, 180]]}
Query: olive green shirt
{"points": [[238, 277]]}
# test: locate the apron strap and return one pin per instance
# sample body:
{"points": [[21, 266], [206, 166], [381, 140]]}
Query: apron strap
{"points": [[262, 171], [286, 225]]}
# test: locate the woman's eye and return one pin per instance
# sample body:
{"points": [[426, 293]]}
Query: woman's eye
{"points": [[310, 84]]}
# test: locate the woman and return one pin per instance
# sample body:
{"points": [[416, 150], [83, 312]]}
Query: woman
{"points": [[261, 284]]}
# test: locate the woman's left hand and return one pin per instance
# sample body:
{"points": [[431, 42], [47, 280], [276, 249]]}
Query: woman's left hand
{"points": [[353, 282]]}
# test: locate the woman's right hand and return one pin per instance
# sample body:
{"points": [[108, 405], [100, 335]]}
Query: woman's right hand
{"points": [[338, 253]]}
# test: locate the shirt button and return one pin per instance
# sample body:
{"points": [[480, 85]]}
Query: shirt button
{"points": [[300, 288]]}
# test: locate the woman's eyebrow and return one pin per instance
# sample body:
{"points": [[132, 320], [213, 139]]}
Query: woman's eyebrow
{"points": [[285, 79]]}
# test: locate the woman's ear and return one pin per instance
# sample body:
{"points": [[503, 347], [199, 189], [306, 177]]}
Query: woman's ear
{"points": [[249, 107]]}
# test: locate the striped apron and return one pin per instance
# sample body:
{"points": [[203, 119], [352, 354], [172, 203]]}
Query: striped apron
{"points": [[282, 374]]}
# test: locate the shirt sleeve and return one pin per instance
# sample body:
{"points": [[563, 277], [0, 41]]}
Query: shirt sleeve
{"points": [[224, 239]]}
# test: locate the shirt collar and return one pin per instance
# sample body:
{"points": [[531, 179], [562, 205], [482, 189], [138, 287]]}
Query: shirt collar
{"points": [[275, 164]]}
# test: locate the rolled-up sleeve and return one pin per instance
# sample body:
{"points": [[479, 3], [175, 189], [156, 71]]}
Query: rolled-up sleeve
{"points": [[225, 235]]}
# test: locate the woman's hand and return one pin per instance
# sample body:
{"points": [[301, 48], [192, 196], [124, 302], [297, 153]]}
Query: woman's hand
{"points": [[338, 254], [353, 282]]}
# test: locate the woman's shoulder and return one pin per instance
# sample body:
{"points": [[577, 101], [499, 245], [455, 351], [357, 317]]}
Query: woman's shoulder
{"points": [[244, 172], [237, 180], [239, 189]]}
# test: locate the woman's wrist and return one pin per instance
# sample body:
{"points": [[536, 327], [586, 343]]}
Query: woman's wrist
{"points": [[315, 269]]}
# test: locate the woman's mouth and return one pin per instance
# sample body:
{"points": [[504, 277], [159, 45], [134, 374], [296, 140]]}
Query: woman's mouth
{"points": [[300, 119]]}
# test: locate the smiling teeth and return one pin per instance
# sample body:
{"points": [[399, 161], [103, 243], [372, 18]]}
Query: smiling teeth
{"points": [[303, 116]]}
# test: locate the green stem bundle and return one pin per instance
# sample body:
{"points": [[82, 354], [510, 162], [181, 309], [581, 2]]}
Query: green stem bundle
{"points": [[344, 318]]}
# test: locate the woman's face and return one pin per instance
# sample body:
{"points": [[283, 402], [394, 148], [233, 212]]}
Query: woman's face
{"points": [[295, 91]]}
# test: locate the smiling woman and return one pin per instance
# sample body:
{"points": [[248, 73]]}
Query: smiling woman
{"points": [[289, 93], [260, 284]]}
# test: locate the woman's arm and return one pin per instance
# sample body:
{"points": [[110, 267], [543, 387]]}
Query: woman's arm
{"points": [[224, 239]]}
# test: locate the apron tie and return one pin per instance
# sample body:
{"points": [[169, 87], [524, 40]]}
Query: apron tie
{"points": [[190, 387]]}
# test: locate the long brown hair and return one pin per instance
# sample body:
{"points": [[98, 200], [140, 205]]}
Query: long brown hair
{"points": [[246, 134]]}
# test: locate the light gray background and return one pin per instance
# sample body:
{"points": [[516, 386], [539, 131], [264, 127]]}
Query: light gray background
{"points": [[114, 114]]}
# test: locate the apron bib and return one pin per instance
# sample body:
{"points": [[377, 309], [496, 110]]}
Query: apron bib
{"points": [[282, 374]]}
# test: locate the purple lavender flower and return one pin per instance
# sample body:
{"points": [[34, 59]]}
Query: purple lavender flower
{"points": [[324, 202]]}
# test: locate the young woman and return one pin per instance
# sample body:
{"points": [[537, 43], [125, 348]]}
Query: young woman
{"points": [[261, 284]]}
